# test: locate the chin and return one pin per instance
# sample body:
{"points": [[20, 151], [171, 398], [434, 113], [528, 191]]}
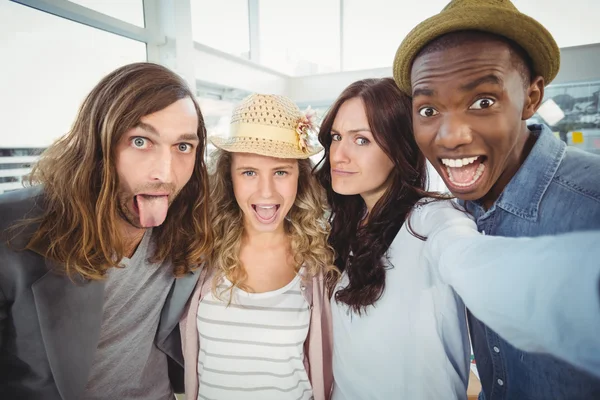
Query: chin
{"points": [[267, 228], [467, 195], [344, 190]]}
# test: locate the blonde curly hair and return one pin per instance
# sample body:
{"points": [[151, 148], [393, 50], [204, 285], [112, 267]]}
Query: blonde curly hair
{"points": [[306, 225]]}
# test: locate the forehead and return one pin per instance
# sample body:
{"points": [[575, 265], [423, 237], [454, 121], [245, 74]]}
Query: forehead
{"points": [[461, 62], [180, 113], [350, 113], [259, 161]]}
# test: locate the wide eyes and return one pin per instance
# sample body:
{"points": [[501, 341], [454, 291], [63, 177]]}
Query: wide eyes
{"points": [[479, 104], [482, 103]]}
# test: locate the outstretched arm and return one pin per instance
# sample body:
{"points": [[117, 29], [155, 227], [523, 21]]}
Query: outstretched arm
{"points": [[540, 294]]}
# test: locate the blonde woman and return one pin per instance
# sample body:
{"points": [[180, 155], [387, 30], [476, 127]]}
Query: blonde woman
{"points": [[258, 325]]}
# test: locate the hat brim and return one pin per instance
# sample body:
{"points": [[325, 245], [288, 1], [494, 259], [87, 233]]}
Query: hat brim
{"points": [[520, 28], [263, 147]]}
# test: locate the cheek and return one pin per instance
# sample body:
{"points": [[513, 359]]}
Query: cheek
{"points": [[128, 170], [424, 135], [242, 191], [288, 189], [377, 166], [498, 132], [185, 168], [383, 168]]}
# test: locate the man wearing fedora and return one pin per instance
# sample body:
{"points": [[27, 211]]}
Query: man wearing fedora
{"points": [[476, 72]]}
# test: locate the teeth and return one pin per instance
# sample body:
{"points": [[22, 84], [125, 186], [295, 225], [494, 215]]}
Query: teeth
{"points": [[475, 176], [266, 207], [457, 163]]}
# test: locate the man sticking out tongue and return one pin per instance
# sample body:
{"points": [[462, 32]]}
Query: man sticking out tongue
{"points": [[109, 229]]}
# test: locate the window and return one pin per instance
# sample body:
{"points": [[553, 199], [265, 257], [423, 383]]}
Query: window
{"points": [[373, 30], [300, 38], [573, 113], [49, 65], [131, 11], [15, 165], [572, 23], [222, 25]]}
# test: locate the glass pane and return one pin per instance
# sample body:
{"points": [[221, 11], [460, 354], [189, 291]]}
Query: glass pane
{"points": [[572, 23], [300, 38], [573, 113], [222, 25], [373, 30], [131, 11], [49, 65]]}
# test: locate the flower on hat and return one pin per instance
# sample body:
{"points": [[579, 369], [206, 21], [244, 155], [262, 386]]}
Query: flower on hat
{"points": [[306, 124]]}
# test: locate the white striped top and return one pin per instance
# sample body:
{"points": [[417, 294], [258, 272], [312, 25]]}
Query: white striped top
{"points": [[253, 348]]}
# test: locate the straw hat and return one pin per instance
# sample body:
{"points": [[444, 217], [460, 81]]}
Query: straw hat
{"points": [[270, 125], [500, 17]]}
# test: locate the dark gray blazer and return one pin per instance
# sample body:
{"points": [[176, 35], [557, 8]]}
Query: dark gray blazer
{"points": [[50, 325]]}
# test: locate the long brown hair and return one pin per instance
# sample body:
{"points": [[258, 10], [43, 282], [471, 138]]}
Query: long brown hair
{"points": [[389, 114], [78, 227]]}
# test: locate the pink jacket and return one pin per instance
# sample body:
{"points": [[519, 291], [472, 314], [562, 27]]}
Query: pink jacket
{"points": [[318, 345]]}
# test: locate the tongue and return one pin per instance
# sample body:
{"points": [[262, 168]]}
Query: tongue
{"points": [[464, 174], [266, 213], [152, 209]]}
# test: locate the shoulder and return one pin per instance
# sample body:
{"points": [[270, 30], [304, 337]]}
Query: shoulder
{"points": [[578, 172], [20, 204], [429, 214]]}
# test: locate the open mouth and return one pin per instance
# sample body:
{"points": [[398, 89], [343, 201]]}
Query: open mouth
{"points": [[266, 213], [464, 173]]}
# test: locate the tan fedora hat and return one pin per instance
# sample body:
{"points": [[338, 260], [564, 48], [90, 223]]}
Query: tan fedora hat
{"points": [[500, 17], [270, 125]]}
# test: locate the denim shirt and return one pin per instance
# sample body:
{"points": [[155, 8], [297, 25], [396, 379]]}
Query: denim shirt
{"points": [[556, 190]]}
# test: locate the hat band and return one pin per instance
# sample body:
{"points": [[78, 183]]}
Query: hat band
{"points": [[259, 131]]}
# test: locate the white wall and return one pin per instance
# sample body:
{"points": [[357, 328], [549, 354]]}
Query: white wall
{"points": [[323, 89], [579, 63]]}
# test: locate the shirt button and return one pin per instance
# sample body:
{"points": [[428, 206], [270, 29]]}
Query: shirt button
{"points": [[497, 350], [500, 382]]}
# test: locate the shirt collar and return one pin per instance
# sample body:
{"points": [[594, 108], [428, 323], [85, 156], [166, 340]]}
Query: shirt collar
{"points": [[523, 194]]}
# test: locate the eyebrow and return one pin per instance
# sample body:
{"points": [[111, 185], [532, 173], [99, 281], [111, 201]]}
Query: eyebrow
{"points": [[353, 130], [423, 92], [288, 166], [491, 78], [152, 130]]}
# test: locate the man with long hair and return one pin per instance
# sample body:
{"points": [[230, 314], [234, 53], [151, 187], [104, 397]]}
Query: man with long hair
{"points": [[97, 257]]}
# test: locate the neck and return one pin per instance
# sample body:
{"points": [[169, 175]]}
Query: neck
{"points": [[513, 163], [131, 237], [264, 240]]}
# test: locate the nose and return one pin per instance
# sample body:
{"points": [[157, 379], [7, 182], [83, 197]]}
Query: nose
{"points": [[453, 133], [162, 166], [266, 186], [338, 153]]}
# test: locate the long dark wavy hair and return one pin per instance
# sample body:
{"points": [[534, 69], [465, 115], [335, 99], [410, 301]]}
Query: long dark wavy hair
{"points": [[389, 115], [79, 224]]}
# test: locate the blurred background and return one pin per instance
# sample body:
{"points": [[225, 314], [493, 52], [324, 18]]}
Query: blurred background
{"points": [[55, 51]]}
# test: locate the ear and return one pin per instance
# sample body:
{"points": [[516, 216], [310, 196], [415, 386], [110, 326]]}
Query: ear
{"points": [[533, 97]]}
